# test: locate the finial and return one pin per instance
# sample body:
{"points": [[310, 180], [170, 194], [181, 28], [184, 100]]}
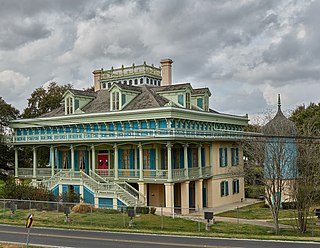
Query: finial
{"points": [[279, 102]]}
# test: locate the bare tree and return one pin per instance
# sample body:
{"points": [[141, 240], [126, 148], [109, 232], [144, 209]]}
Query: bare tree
{"points": [[306, 187]]}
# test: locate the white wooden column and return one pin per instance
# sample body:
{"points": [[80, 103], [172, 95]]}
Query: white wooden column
{"points": [[52, 162], [185, 197], [169, 197], [169, 150], [72, 157], [140, 162], [200, 160], [198, 194], [34, 171], [93, 158], [116, 165], [186, 161], [16, 162]]}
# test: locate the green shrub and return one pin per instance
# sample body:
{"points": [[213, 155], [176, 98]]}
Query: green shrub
{"points": [[22, 191]]}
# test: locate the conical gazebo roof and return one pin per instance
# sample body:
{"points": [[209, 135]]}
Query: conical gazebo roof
{"points": [[280, 125]]}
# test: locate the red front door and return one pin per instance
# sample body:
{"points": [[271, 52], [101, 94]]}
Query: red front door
{"points": [[103, 161]]}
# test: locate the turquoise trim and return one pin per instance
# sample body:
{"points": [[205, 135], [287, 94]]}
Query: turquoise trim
{"points": [[105, 203], [88, 195], [120, 204]]}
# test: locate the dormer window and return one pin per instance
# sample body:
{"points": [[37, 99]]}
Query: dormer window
{"points": [[180, 99], [115, 101], [69, 105], [200, 102], [123, 99]]}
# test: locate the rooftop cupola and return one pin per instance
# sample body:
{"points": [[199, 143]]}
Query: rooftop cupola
{"points": [[280, 125]]}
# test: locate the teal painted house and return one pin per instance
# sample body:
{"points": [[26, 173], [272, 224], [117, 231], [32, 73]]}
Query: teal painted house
{"points": [[137, 140]]}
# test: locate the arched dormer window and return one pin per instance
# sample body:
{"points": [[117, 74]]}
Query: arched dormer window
{"points": [[69, 105], [115, 101]]}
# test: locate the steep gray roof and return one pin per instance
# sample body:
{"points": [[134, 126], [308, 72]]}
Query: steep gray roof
{"points": [[128, 87], [100, 104], [83, 93], [171, 87], [55, 112], [200, 91], [147, 99]]}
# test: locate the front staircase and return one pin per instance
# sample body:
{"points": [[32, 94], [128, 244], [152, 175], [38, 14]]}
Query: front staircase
{"points": [[99, 186]]}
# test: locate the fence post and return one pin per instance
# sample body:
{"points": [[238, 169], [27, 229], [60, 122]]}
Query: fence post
{"points": [[29, 205], [199, 224], [4, 207], [91, 215], [312, 227], [161, 216]]}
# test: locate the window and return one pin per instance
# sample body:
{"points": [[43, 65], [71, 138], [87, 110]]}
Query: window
{"points": [[223, 157], [147, 80], [187, 100], [109, 85], [82, 160], [146, 158], [224, 188], [125, 159], [65, 160], [151, 81], [234, 156], [194, 158], [115, 101], [180, 100], [141, 80], [125, 82], [69, 105], [104, 85], [123, 99], [235, 186], [136, 81], [76, 104], [130, 82], [200, 102]]}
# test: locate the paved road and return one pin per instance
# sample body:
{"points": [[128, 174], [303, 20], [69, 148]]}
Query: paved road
{"points": [[76, 238]]}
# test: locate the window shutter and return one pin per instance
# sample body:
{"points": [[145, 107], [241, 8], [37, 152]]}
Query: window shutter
{"points": [[232, 156], [238, 186], [222, 189], [237, 155], [221, 157], [119, 158], [152, 159], [227, 188], [225, 156]]}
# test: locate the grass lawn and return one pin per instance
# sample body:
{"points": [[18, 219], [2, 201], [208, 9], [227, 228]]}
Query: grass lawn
{"points": [[147, 223], [256, 211]]}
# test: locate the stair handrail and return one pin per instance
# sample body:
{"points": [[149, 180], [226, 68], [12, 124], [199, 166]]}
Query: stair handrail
{"points": [[132, 191], [98, 176]]}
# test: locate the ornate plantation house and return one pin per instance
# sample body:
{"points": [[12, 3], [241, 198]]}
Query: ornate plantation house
{"points": [[137, 140]]}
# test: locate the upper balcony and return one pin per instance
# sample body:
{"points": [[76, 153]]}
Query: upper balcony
{"points": [[96, 136]]}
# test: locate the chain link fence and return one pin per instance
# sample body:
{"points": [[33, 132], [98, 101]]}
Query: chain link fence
{"points": [[75, 215]]}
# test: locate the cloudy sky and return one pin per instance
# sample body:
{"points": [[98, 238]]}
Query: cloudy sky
{"points": [[245, 51]]}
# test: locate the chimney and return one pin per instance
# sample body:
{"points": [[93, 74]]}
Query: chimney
{"points": [[166, 71], [96, 79]]}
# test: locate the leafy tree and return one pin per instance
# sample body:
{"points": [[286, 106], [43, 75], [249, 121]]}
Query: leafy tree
{"points": [[302, 115], [7, 114], [44, 100]]}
